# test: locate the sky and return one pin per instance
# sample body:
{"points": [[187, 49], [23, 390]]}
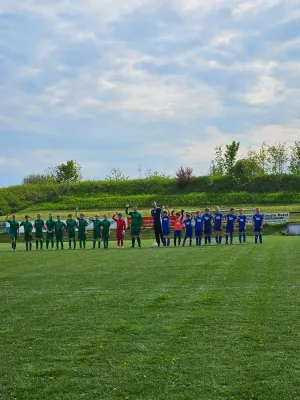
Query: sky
{"points": [[144, 84]]}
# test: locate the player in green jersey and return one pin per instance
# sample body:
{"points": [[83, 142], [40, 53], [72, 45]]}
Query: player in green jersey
{"points": [[71, 229], [105, 230], [82, 228], [50, 226], [14, 231], [136, 225], [59, 227], [39, 225], [96, 231], [28, 227]]}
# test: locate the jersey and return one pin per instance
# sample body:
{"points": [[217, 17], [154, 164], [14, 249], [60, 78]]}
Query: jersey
{"points": [[242, 221], [198, 224], [97, 227], [59, 227], [218, 222], [39, 225], [258, 220], [71, 225], [105, 225], [165, 222], [28, 227], [178, 223], [50, 224], [156, 214], [14, 228], [207, 218], [121, 224], [231, 218], [188, 227], [136, 218], [82, 224]]}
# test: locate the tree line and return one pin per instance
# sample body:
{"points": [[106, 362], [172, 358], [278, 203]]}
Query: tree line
{"points": [[277, 159]]}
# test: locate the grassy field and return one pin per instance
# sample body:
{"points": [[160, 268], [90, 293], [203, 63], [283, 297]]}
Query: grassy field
{"points": [[266, 208], [151, 324]]}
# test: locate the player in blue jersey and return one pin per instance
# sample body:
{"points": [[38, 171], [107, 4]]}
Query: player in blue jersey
{"points": [[231, 219], [187, 222], [258, 223], [218, 225], [207, 219], [242, 224], [165, 223], [198, 227]]}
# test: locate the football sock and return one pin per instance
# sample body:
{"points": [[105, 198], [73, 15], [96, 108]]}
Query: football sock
{"points": [[41, 244], [240, 238], [244, 237], [139, 241], [133, 242], [47, 244], [260, 238], [37, 244]]}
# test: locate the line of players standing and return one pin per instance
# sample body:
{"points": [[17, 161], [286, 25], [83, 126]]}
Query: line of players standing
{"points": [[203, 225]]}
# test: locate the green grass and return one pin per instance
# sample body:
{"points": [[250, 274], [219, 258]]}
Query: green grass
{"points": [[32, 211], [151, 324]]}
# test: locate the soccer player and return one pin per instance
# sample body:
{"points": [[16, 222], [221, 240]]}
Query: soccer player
{"points": [[59, 227], [136, 225], [50, 226], [82, 228], [14, 231], [218, 227], [258, 224], [96, 231], [28, 227], [71, 229], [207, 219], [165, 222], [105, 230], [121, 228], [39, 225], [156, 214], [178, 225], [231, 219], [198, 227], [242, 223], [187, 222]]}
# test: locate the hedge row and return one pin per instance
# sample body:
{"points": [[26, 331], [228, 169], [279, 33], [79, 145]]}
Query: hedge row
{"points": [[210, 191], [193, 199]]}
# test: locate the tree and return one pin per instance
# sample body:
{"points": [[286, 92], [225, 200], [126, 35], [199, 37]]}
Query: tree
{"points": [[149, 174], [185, 175], [230, 156], [36, 179], [294, 167], [116, 175], [245, 169], [217, 166], [277, 157], [68, 172]]}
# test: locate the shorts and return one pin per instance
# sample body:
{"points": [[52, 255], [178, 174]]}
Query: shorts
{"points": [[188, 235], [198, 232], [28, 237], [207, 231], [177, 233], [242, 230], [258, 230], [14, 237], [218, 229], [81, 235], [229, 230], [97, 235], [59, 236], [135, 230], [71, 234], [166, 232], [39, 235], [50, 236]]}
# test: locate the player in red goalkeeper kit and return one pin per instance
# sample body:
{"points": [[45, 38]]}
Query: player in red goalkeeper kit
{"points": [[121, 227]]}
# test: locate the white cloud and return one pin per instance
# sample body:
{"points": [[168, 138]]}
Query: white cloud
{"points": [[266, 92]]}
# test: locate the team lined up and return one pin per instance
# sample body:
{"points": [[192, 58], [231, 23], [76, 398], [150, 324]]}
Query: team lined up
{"points": [[203, 225], [55, 230], [197, 224]]}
